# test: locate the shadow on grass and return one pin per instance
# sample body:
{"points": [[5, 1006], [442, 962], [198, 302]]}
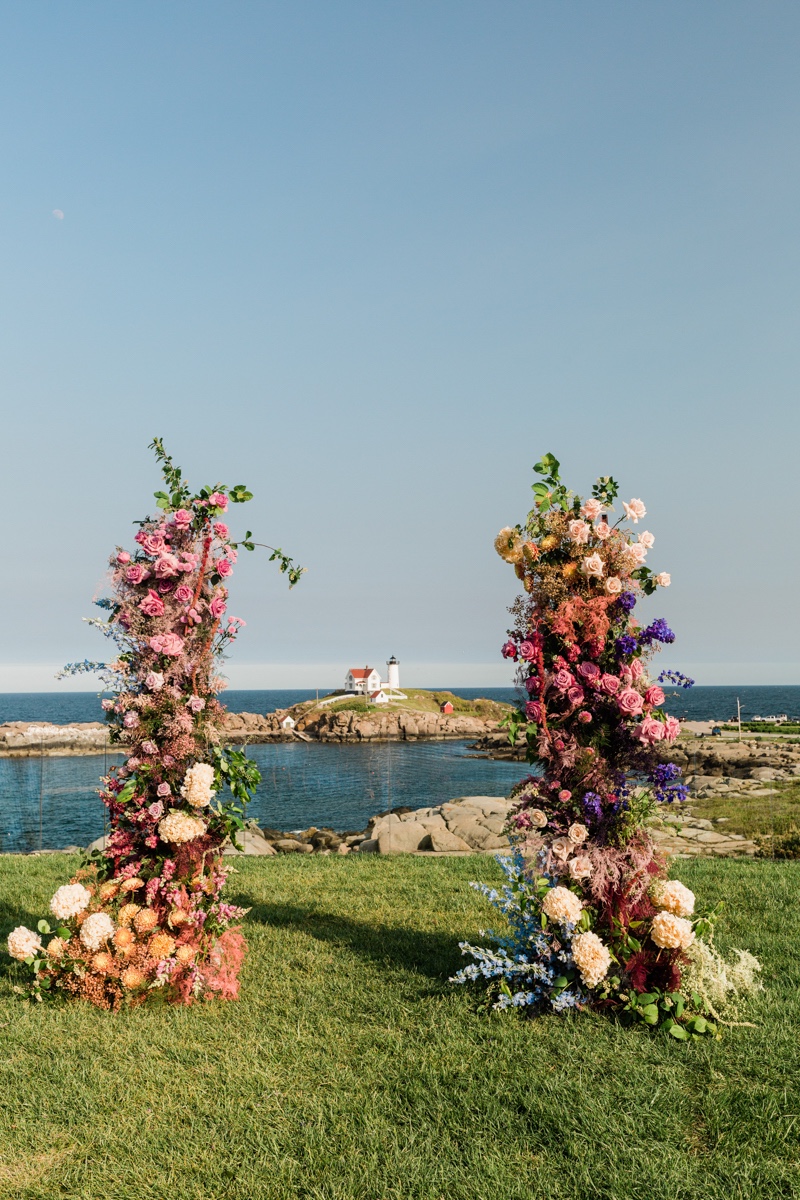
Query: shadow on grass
{"points": [[433, 954]]}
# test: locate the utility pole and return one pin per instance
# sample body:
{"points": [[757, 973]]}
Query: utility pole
{"points": [[739, 717]]}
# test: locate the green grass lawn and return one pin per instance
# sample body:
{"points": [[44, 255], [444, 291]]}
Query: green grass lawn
{"points": [[776, 812], [351, 1068]]}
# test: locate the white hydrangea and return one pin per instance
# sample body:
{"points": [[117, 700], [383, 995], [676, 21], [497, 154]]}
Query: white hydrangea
{"points": [[592, 958], [562, 905], [671, 932], [197, 789], [178, 828], [674, 897], [96, 930], [69, 900], [23, 943]]}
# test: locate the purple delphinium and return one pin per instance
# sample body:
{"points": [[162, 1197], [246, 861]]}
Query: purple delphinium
{"points": [[676, 677], [626, 601], [665, 788], [627, 644], [592, 806], [657, 631]]}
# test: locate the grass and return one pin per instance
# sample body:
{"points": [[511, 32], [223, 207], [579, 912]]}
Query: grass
{"points": [[350, 1068], [422, 700], [777, 812]]}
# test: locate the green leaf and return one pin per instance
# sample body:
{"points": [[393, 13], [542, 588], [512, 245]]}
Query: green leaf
{"points": [[560, 981], [649, 1014], [43, 927], [679, 1033], [647, 998], [63, 933]]}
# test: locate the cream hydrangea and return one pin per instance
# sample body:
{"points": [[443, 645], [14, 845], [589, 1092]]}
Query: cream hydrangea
{"points": [[69, 900], [562, 905], [23, 943], [197, 789], [674, 897], [178, 828], [671, 932], [97, 929], [592, 958]]}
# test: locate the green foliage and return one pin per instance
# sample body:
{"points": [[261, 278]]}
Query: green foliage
{"points": [[550, 492], [606, 490], [672, 1012], [233, 771]]}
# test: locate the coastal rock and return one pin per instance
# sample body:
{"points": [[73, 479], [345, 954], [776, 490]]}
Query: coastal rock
{"points": [[401, 837], [444, 842]]}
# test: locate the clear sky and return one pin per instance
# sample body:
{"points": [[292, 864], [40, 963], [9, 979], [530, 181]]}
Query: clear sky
{"points": [[373, 260]]}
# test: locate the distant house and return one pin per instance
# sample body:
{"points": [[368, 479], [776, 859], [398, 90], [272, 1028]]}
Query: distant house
{"points": [[288, 722], [447, 707], [362, 680]]}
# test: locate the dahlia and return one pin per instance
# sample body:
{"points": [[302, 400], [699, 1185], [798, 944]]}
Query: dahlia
{"points": [[23, 943], [185, 954], [102, 962], [123, 940], [508, 545], [178, 828], [145, 920], [127, 913], [671, 932], [108, 890], [161, 945], [132, 978], [96, 929], [562, 905], [674, 897], [197, 789], [55, 947], [69, 900], [591, 958], [132, 885]]}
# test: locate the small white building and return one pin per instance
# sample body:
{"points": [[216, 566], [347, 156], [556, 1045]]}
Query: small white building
{"points": [[379, 697], [288, 722], [362, 680]]}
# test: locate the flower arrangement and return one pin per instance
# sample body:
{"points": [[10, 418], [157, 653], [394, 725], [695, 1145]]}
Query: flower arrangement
{"points": [[593, 919], [146, 916]]}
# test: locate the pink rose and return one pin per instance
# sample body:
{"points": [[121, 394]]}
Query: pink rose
{"points": [[672, 728], [563, 680], [166, 567], [196, 704], [636, 668], [151, 606], [156, 810], [218, 500], [149, 748], [217, 607], [603, 530], [651, 730], [609, 684], [107, 705], [154, 681], [136, 573], [576, 695], [183, 594], [533, 709], [630, 702], [168, 760], [584, 716], [579, 532], [527, 651], [509, 650], [182, 518], [564, 795], [130, 720], [223, 567], [637, 554], [593, 566], [163, 789], [589, 671], [123, 557], [220, 529], [577, 833], [167, 643], [635, 510], [654, 696], [591, 509], [153, 543]]}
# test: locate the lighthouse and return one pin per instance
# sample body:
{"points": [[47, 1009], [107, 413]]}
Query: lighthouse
{"points": [[393, 678]]}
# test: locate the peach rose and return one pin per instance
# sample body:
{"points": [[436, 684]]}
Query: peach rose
{"points": [[613, 585], [593, 566], [663, 579], [579, 532], [591, 509]]}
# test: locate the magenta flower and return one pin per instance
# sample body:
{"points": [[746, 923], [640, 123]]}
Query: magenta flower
{"points": [[218, 500], [167, 643], [220, 529], [152, 606], [136, 573], [182, 518], [527, 651], [163, 789], [223, 567], [509, 650], [183, 594]]}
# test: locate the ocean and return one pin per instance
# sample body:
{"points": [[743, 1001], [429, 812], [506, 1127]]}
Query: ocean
{"points": [[52, 802]]}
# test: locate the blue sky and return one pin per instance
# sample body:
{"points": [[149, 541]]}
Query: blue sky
{"points": [[374, 260]]}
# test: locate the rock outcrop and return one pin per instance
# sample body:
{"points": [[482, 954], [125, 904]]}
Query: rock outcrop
{"points": [[26, 739]]}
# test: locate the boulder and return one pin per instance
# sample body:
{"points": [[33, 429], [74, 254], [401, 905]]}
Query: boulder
{"points": [[292, 846], [404, 837], [444, 842], [252, 841]]}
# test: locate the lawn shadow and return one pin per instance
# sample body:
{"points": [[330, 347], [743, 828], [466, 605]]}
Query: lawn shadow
{"points": [[423, 951]]}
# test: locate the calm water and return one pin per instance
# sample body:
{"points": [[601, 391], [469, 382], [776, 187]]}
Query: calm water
{"points": [[302, 784]]}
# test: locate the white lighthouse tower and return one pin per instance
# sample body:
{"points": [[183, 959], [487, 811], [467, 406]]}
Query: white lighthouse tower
{"points": [[393, 678]]}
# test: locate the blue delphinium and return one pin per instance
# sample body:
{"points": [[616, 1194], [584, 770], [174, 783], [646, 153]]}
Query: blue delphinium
{"points": [[677, 678], [527, 968], [626, 601], [664, 779], [627, 644]]}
